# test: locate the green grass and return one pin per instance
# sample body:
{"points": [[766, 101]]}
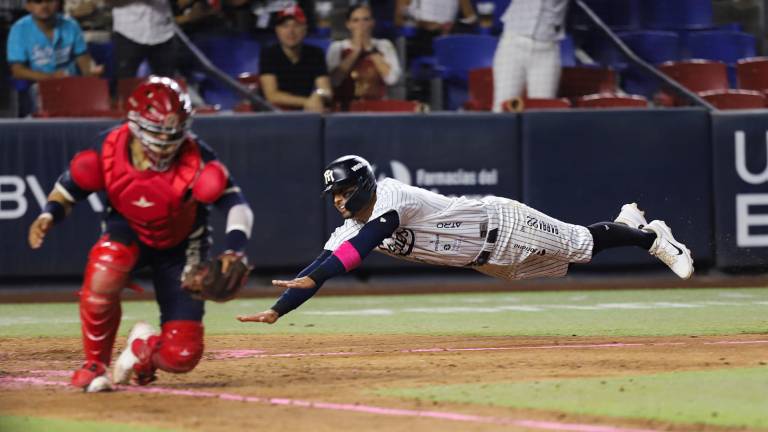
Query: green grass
{"points": [[40, 424], [727, 397], [588, 313]]}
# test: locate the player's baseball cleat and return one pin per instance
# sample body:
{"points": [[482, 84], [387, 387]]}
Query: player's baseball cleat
{"points": [[92, 377], [124, 366], [631, 216], [670, 251]]}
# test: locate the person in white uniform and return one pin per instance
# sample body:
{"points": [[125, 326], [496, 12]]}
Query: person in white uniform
{"points": [[496, 236], [528, 55]]}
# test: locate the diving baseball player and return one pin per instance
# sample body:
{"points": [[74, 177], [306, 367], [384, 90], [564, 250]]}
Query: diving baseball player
{"points": [[159, 180], [496, 236]]}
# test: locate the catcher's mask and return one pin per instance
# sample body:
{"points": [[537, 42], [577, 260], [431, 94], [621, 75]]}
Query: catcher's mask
{"points": [[350, 171], [159, 115]]}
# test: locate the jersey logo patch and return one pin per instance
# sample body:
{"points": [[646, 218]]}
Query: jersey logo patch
{"points": [[401, 242], [143, 203]]}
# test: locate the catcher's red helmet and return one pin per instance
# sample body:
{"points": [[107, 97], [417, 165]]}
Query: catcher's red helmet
{"points": [[159, 115]]}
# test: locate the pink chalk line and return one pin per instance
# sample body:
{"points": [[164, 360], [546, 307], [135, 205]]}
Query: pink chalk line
{"points": [[238, 354], [365, 409]]}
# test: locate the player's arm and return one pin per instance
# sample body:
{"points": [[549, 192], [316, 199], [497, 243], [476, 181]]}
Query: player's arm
{"points": [[345, 258], [75, 184], [216, 186], [291, 298]]}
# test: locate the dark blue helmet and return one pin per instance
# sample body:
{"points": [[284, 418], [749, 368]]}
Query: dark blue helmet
{"points": [[351, 170]]}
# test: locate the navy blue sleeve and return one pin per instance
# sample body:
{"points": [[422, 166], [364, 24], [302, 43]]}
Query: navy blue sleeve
{"points": [[293, 297], [235, 240], [370, 236]]}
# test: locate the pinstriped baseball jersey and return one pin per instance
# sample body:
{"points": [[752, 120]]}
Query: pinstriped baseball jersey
{"points": [[454, 231]]}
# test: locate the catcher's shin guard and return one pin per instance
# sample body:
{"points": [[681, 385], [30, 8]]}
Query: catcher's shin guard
{"points": [[107, 272], [180, 347]]}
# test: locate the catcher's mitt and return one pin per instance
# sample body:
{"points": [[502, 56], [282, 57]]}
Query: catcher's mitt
{"points": [[205, 281]]}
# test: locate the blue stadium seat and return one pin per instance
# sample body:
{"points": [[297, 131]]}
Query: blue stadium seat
{"points": [[676, 14], [725, 46], [319, 42], [654, 47], [456, 55], [233, 55], [617, 14], [567, 52]]}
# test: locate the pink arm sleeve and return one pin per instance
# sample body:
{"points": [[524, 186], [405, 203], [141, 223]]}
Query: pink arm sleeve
{"points": [[348, 255]]}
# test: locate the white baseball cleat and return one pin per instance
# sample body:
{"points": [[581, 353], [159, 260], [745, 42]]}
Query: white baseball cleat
{"points": [[101, 383], [124, 365], [670, 251], [631, 216]]}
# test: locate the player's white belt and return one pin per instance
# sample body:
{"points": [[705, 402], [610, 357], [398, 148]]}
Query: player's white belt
{"points": [[491, 232]]}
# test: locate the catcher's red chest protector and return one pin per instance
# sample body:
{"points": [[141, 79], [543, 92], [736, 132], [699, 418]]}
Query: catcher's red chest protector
{"points": [[158, 205]]}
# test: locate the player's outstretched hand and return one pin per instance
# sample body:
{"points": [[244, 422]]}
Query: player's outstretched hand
{"points": [[268, 316], [302, 283], [38, 230]]}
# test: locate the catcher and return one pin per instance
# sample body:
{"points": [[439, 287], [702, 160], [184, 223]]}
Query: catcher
{"points": [[159, 180]]}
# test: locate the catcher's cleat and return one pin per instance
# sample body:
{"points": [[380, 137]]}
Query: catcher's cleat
{"points": [[670, 251], [92, 377], [130, 357], [631, 216]]}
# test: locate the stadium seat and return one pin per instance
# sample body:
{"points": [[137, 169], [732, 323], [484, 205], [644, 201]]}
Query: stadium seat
{"points": [[676, 14], [233, 55], [725, 46], [251, 81], [695, 75], [611, 100], [735, 99], [567, 52], [480, 90], [583, 80], [617, 14], [653, 46], [455, 56], [391, 105], [322, 43], [752, 74], [75, 97], [524, 104]]}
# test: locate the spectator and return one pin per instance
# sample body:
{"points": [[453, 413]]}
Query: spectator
{"points": [[143, 30], [528, 55], [46, 44], [294, 75], [94, 18], [433, 18], [361, 67]]}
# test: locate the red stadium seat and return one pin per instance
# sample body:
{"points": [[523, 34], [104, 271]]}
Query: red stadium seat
{"points": [[580, 81], [611, 100], [524, 104], [251, 81], [75, 97], [480, 90], [752, 73], [695, 75], [385, 106], [735, 99]]}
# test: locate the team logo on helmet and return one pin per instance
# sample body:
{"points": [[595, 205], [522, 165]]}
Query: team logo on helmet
{"points": [[328, 176]]}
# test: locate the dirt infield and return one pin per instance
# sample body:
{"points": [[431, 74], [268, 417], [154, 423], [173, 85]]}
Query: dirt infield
{"points": [[328, 383]]}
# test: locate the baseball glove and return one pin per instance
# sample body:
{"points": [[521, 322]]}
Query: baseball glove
{"points": [[205, 281]]}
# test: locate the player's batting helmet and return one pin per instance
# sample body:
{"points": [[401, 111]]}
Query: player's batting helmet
{"points": [[159, 115], [348, 171]]}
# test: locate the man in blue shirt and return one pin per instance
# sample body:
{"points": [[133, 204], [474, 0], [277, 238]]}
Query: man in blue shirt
{"points": [[45, 44]]}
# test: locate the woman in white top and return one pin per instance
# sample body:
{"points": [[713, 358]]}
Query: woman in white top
{"points": [[361, 67]]}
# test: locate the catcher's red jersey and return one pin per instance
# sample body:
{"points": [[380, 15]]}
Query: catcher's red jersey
{"points": [[158, 205]]}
